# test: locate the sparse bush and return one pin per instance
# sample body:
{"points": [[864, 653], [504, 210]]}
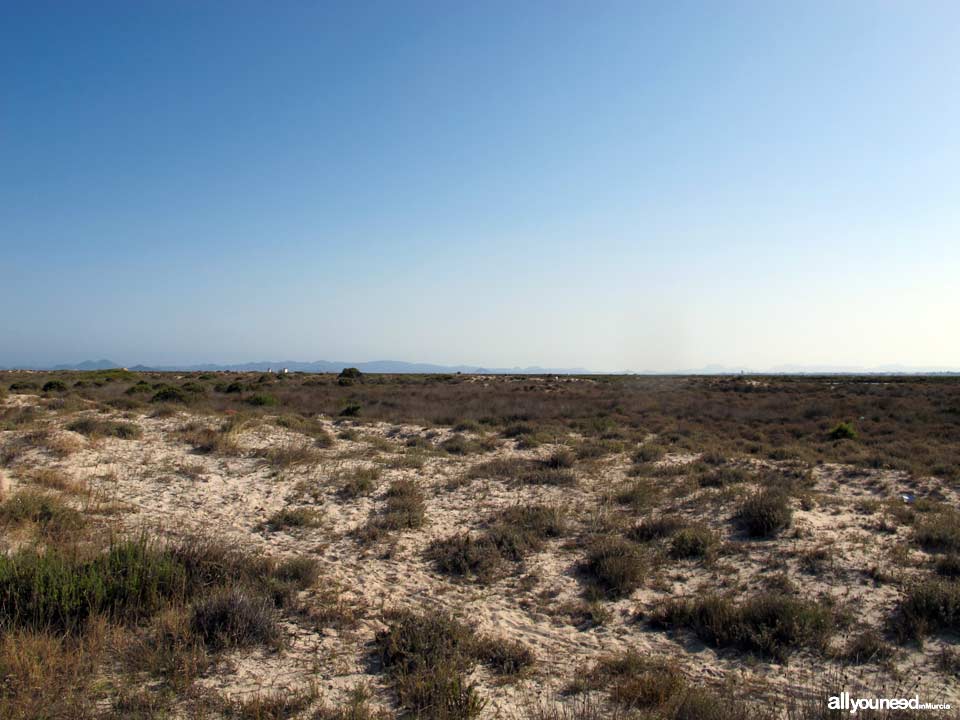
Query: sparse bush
{"points": [[459, 445], [351, 409], [351, 373], [262, 400], [405, 510], [54, 386], [287, 456], [948, 565], [638, 494], [504, 657], [765, 513], [722, 477], [648, 453]]}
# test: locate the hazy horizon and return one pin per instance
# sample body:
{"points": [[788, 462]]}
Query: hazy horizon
{"points": [[623, 186]]}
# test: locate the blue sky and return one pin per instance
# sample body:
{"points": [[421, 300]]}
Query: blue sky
{"points": [[610, 185]]}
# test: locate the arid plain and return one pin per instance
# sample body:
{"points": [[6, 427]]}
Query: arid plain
{"points": [[264, 545]]}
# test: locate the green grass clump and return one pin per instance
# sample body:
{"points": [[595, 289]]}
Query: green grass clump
{"points": [[58, 590]]}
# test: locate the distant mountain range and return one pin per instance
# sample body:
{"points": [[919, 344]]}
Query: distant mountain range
{"points": [[400, 367]]}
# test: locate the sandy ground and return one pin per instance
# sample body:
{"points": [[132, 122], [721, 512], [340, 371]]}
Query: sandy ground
{"points": [[158, 481]]}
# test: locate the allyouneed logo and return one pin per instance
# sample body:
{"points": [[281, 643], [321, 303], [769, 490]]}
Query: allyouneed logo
{"points": [[843, 701]]}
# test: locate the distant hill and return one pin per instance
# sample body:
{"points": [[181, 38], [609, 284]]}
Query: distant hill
{"points": [[319, 366], [400, 367]]}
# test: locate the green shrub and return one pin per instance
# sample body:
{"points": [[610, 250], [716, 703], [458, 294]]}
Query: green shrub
{"points": [[351, 409], [261, 400], [350, 373], [54, 386], [54, 590], [842, 431], [170, 395]]}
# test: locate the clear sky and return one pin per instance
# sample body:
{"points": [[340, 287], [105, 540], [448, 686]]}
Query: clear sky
{"points": [[602, 184]]}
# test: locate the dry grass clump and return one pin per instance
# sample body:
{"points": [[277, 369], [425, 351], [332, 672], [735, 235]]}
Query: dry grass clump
{"points": [[234, 618], [513, 534], [928, 606], [661, 526], [867, 647], [307, 426], [638, 494], [300, 518], [722, 477], [524, 472], [769, 623], [693, 541], [99, 428], [655, 688], [614, 566], [427, 657], [939, 531], [206, 440], [404, 509], [287, 456], [765, 513], [53, 518], [53, 478], [359, 481]]}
